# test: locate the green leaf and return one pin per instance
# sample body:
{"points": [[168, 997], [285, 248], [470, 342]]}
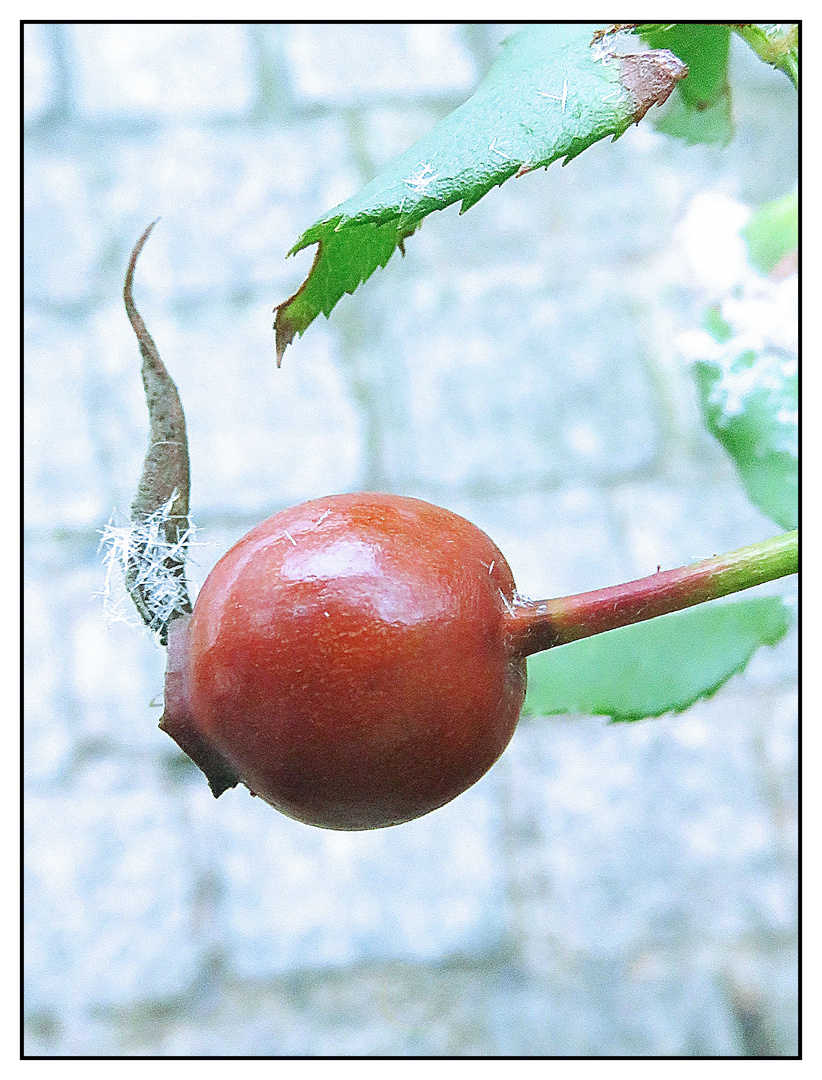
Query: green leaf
{"points": [[748, 381], [772, 232], [775, 43], [700, 110], [717, 325], [711, 125], [750, 404], [704, 47], [650, 668], [549, 97]]}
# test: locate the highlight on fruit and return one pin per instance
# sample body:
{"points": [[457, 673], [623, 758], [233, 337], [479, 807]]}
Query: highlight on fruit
{"points": [[358, 660]]}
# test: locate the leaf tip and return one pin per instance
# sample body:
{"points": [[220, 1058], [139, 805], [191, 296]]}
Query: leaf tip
{"points": [[650, 77], [284, 331]]}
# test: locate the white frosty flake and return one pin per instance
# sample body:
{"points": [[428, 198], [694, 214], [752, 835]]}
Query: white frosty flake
{"points": [[603, 49], [421, 178], [739, 381], [761, 353], [764, 314], [736, 384], [710, 237], [144, 542]]}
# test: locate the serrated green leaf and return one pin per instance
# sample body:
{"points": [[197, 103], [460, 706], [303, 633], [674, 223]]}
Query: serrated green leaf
{"points": [[700, 110], [650, 668], [772, 232], [549, 96], [750, 404]]}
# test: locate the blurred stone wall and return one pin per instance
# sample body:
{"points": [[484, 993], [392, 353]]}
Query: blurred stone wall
{"points": [[605, 889]]}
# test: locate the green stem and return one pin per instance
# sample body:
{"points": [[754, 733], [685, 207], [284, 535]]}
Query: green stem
{"points": [[536, 625]]}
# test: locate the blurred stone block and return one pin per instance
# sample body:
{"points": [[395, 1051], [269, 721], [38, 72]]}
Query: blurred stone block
{"points": [[647, 835], [297, 897], [673, 525], [77, 710], [389, 131], [298, 436], [340, 65], [39, 75], [556, 542], [63, 229], [63, 477], [232, 201], [491, 379], [153, 71], [108, 888]]}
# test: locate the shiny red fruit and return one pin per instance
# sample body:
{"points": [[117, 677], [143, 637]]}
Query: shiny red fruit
{"points": [[347, 660]]}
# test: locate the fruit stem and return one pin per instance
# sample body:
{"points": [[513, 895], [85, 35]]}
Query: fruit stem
{"points": [[536, 625]]}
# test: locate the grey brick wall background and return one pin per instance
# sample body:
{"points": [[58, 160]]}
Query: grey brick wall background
{"points": [[605, 889]]}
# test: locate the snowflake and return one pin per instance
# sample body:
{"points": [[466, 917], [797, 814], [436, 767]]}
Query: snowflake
{"points": [[421, 178], [143, 543]]}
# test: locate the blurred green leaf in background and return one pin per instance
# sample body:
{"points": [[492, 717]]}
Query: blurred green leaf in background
{"points": [[772, 233], [748, 383], [700, 108], [650, 668]]}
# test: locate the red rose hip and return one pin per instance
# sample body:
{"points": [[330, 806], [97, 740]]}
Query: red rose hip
{"points": [[359, 660], [348, 661]]}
